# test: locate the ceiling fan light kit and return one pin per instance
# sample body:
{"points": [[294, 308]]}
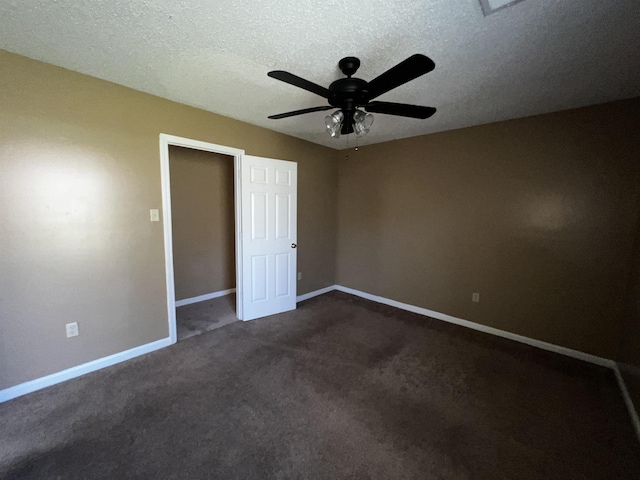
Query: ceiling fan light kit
{"points": [[361, 123], [350, 95]]}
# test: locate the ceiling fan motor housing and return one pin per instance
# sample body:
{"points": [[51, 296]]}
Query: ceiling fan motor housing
{"points": [[348, 93]]}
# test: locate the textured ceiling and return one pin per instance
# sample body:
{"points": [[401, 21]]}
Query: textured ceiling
{"points": [[533, 57]]}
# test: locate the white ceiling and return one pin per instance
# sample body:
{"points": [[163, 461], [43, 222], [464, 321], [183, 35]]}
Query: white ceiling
{"points": [[533, 57]]}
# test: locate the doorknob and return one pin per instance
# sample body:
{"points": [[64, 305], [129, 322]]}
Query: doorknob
{"points": [[293, 245]]}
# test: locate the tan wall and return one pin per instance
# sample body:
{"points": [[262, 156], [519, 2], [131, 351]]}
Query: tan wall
{"points": [[79, 171], [536, 214], [202, 217], [629, 349]]}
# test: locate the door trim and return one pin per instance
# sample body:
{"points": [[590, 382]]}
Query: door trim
{"points": [[236, 153]]}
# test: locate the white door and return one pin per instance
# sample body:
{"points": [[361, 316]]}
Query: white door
{"points": [[269, 236]]}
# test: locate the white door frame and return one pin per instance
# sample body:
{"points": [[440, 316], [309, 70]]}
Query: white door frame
{"points": [[236, 153]]}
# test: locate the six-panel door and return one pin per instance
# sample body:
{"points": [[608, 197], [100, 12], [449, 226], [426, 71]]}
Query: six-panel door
{"points": [[269, 236]]}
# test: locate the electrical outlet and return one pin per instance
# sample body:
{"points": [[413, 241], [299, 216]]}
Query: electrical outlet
{"points": [[299, 275], [475, 297], [72, 329]]}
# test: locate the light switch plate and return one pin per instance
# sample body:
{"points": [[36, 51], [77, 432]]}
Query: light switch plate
{"points": [[154, 213]]}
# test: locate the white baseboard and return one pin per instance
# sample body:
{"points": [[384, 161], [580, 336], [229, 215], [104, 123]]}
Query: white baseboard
{"points": [[633, 413], [202, 298], [587, 357], [39, 383], [315, 293], [42, 382]]}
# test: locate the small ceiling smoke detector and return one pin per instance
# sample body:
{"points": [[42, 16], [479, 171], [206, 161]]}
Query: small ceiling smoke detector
{"points": [[492, 6]]}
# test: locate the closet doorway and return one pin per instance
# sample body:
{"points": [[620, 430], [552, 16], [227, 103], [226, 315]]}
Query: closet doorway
{"points": [[200, 230], [202, 223]]}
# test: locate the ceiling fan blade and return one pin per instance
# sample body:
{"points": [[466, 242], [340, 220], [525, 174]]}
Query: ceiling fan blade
{"points": [[404, 72], [400, 109], [299, 82], [300, 112]]}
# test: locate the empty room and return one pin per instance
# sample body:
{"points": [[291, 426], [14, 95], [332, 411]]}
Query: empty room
{"points": [[303, 239]]}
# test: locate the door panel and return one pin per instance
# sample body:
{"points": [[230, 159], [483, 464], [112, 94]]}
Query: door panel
{"points": [[283, 216], [283, 262], [269, 236], [259, 220], [259, 278]]}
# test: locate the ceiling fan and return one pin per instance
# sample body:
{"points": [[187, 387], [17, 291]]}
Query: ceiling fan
{"points": [[349, 94]]}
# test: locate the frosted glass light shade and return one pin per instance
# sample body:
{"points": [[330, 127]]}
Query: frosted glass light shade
{"points": [[362, 122], [333, 123]]}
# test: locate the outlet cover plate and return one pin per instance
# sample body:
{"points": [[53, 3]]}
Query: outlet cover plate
{"points": [[72, 329]]}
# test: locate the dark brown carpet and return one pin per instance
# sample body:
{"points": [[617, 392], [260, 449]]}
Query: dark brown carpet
{"points": [[340, 388], [205, 316]]}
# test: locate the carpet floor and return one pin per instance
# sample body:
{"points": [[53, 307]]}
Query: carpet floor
{"points": [[341, 388], [205, 316]]}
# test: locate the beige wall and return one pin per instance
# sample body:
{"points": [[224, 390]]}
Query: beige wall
{"points": [[202, 217], [79, 171], [536, 214], [629, 349]]}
